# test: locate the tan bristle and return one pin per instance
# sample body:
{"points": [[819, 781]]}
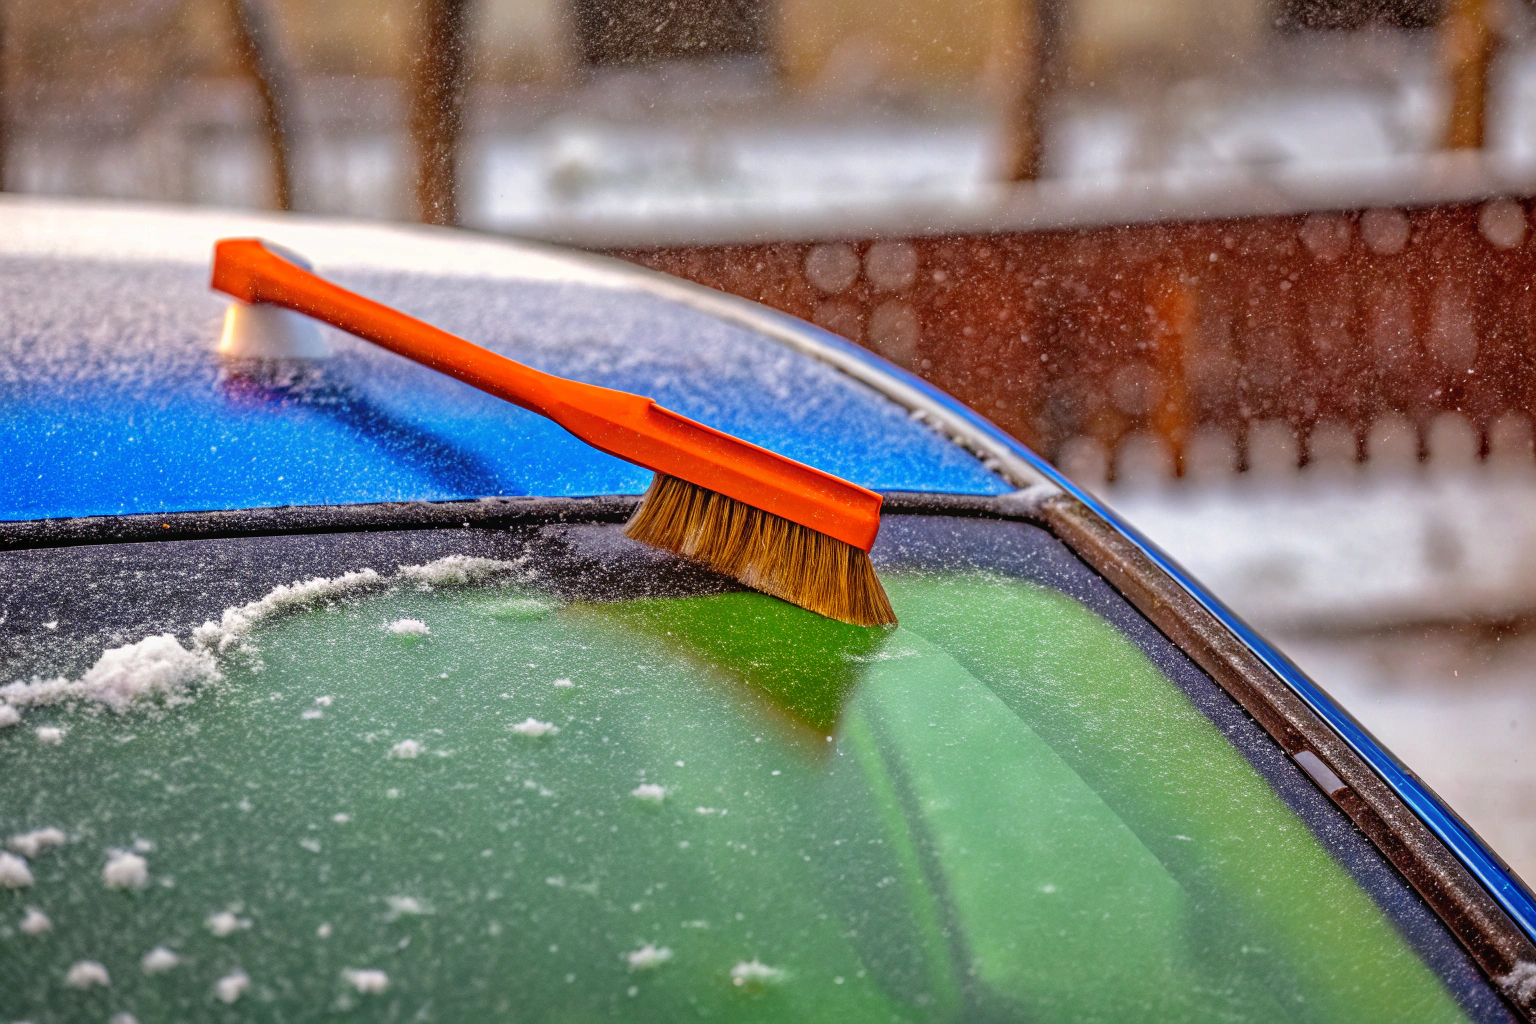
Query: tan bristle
{"points": [[762, 550]]}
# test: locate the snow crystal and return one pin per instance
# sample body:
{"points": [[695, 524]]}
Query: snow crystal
{"points": [[649, 792], [236, 623], [455, 570], [342, 818], [30, 844], [324, 702], [9, 716], [35, 922], [158, 960], [225, 923], [122, 1017], [125, 870], [755, 974], [406, 906], [648, 957], [87, 973], [408, 627], [533, 727], [563, 684], [143, 846], [50, 735], [14, 873], [155, 667], [310, 714], [312, 845], [324, 931], [406, 749], [230, 987], [366, 981]]}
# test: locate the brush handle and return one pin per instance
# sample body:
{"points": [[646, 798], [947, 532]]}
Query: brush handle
{"points": [[631, 427], [248, 270]]}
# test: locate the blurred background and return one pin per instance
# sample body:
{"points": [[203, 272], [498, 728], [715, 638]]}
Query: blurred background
{"points": [[1258, 272]]}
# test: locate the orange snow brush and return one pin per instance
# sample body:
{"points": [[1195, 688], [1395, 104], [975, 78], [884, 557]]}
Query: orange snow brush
{"points": [[776, 525]]}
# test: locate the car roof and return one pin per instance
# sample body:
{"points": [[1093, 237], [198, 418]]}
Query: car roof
{"points": [[118, 403]]}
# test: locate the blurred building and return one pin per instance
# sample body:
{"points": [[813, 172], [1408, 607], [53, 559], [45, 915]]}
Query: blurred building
{"points": [[634, 112]]}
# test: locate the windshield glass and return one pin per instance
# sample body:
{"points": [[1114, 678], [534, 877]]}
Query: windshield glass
{"points": [[546, 771]]}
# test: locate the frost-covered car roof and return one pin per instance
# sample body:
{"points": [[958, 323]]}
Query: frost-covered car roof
{"points": [[113, 399]]}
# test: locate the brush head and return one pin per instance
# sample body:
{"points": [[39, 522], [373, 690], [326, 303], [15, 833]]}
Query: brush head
{"points": [[764, 551]]}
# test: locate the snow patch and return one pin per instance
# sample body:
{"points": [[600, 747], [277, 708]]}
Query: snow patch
{"points": [[648, 957], [406, 749], [406, 906], [86, 974], [1520, 982], [14, 873], [237, 623], [225, 923], [533, 727], [366, 981], [456, 570], [649, 792], [158, 960], [160, 668], [408, 627], [50, 736], [755, 974], [30, 844], [157, 667], [232, 986], [125, 870], [35, 922], [563, 684]]}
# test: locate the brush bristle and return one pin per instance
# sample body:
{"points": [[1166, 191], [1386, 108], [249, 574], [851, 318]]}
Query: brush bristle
{"points": [[766, 552]]}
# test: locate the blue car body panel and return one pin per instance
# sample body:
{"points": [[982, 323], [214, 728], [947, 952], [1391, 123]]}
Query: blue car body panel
{"points": [[114, 401]]}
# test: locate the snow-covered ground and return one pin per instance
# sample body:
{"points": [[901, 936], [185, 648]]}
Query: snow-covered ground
{"points": [[1411, 597]]}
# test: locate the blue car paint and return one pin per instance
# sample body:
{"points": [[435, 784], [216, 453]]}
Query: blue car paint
{"points": [[112, 404]]}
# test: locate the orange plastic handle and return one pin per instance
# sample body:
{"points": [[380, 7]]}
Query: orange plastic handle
{"points": [[628, 426]]}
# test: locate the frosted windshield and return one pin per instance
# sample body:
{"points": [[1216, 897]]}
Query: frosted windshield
{"points": [[516, 779]]}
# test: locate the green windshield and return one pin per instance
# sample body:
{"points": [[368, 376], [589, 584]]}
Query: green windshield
{"points": [[1001, 810]]}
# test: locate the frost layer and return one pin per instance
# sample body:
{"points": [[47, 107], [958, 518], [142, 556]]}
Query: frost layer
{"points": [[30, 844], [159, 960], [155, 667], [236, 623], [14, 873], [160, 668], [232, 986], [125, 870], [366, 981], [456, 570]]}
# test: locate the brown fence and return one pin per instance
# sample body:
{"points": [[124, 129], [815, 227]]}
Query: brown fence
{"points": [[1194, 348]]}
